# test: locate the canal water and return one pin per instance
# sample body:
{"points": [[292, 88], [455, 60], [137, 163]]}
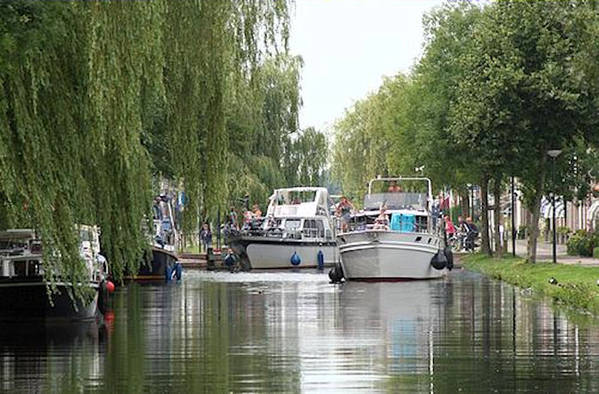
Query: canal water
{"points": [[292, 332]]}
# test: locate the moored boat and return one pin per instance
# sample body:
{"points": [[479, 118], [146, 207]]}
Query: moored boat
{"points": [[394, 237], [297, 232], [24, 286], [161, 262]]}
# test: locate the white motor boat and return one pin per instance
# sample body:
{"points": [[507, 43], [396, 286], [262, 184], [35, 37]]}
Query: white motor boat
{"points": [[297, 232], [404, 244]]}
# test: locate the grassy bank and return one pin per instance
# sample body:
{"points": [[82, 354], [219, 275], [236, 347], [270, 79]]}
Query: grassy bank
{"points": [[576, 285]]}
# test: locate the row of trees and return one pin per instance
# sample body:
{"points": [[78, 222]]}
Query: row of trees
{"points": [[497, 87], [97, 99]]}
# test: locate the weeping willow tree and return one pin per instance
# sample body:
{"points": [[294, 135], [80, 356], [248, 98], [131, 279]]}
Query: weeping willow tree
{"points": [[98, 96], [72, 76]]}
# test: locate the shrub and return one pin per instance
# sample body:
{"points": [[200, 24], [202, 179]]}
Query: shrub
{"points": [[563, 230], [582, 243], [596, 252]]}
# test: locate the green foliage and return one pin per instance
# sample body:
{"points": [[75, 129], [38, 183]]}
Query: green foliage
{"points": [[563, 230], [498, 85], [364, 138], [583, 243], [97, 97], [267, 149]]}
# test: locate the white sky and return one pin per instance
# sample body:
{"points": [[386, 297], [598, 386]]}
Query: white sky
{"points": [[348, 46]]}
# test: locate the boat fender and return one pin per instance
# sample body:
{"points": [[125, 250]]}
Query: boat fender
{"points": [[336, 274], [449, 257], [178, 270], [320, 259], [168, 273], [295, 259], [439, 261]]}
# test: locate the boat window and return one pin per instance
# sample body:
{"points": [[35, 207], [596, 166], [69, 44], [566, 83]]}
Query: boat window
{"points": [[35, 268], [292, 224], [20, 268], [310, 230], [320, 228], [296, 197]]}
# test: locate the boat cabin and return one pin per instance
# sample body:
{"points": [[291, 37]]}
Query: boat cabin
{"points": [[299, 213], [298, 202], [407, 209], [21, 254]]}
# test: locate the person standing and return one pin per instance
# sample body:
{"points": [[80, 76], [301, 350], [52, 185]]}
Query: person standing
{"points": [[206, 237], [233, 219], [344, 212]]}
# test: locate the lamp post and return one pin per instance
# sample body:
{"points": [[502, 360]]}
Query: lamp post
{"points": [[554, 153], [513, 218]]}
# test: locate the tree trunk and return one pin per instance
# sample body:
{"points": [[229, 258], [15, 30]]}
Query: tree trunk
{"points": [[464, 204], [498, 216], [535, 213], [484, 198]]}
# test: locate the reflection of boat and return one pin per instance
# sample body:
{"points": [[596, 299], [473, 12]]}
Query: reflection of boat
{"points": [[405, 247], [163, 263], [296, 233], [33, 355], [23, 284]]}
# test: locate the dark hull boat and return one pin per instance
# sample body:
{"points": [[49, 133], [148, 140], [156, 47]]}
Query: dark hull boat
{"points": [[28, 300], [161, 263], [24, 290], [163, 266]]}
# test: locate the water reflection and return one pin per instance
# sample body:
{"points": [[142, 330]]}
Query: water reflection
{"points": [[296, 332], [51, 357]]}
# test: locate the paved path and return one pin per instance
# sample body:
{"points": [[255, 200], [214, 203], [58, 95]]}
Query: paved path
{"points": [[545, 253]]}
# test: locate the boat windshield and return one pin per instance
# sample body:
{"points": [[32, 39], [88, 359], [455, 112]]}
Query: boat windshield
{"points": [[292, 197], [400, 200]]}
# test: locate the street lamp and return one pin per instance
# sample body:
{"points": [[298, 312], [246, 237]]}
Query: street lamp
{"points": [[513, 218], [554, 153]]}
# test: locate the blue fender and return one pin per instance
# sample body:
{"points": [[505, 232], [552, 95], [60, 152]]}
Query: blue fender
{"points": [[295, 259]]}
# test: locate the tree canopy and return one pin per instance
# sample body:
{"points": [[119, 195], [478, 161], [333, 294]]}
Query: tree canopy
{"points": [[100, 98], [498, 86]]}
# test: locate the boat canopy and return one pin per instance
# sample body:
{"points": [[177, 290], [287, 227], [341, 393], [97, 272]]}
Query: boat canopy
{"points": [[395, 201], [298, 202]]}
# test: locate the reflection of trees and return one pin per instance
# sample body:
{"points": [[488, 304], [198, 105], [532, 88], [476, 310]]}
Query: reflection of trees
{"points": [[464, 333], [58, 357], [497, 339]]}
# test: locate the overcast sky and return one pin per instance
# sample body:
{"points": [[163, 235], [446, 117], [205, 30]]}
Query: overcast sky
{"points": [[348, 46]]}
